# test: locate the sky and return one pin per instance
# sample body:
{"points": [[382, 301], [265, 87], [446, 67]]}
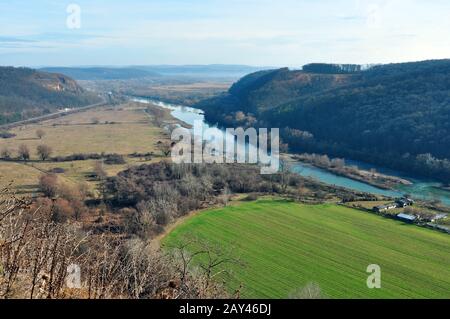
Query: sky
{"points": [[253, 32]]}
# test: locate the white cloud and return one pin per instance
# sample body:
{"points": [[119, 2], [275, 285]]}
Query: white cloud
{"points": [[285, 32]]}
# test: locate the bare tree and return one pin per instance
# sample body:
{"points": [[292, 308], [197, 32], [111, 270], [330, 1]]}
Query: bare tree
{"points": [[99, 171], [44, 152], [163, 210], [48, 184], [211, 262], [24, 152], [338, 163], [5, 153], [85, 190], [158, 115], [40, 134], [285, 175], [226, 196], [13, 239], [146, 271], [142, 222], [35, 252]]}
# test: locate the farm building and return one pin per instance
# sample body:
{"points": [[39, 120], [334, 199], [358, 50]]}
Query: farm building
{"points": [[406, 217], [384, 208], [404, 202]]}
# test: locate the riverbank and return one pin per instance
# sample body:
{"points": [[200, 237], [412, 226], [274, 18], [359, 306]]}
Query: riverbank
{"points": [[418, 189], [162, 114], [442, 188], [338, 167]]}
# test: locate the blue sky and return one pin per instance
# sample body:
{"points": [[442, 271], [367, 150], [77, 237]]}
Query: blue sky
{"points": [[254, 32]]}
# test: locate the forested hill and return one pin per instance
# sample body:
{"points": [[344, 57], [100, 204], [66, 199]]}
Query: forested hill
{"points": [[396, 115], [26, 93]]}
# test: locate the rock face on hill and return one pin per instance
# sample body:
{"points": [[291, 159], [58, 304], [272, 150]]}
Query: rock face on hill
{"points": [[26, 93], [396, 115]]}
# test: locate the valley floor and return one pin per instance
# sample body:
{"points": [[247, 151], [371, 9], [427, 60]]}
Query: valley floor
{"points": [[122, 130]]}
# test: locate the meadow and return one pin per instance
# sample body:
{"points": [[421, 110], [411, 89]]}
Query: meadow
{"points": [[285, 245], [123, 129]]}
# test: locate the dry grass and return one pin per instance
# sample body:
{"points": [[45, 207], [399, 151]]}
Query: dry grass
{"points": [[123, 130], [131, 132], [22, 178]]}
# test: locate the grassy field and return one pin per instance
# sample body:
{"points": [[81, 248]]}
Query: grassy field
{"points": [[123, 130], [127, 130], [287, 245]]}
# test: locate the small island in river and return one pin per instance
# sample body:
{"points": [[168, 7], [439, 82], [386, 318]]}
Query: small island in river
{"points": [[338, 166]]}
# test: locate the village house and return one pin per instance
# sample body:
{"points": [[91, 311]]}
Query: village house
{"points": [[407, 218], [383, 208], [404, 202]]}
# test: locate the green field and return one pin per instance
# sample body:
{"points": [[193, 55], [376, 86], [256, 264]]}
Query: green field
{"points": [[287, 245]]}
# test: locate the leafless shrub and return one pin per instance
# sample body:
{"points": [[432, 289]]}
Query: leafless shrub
{"points": [[40, 134], [5, 153], [24, 152], [48, 184], [99, 171], [44, 152], [35, 252], [208, 262], [162, 210]]}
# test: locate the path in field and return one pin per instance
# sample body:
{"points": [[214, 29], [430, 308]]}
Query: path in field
{"points": [[286, 245]]}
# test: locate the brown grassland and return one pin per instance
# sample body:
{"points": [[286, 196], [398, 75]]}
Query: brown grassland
{"points": [[123, 129]]}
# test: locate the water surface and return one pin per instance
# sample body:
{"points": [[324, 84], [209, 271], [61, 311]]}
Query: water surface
{"points": [[420, 188]]}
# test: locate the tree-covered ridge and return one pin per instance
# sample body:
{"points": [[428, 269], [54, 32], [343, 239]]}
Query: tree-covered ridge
{"points": [[332, 68], [26, 93], [397, 115], [268, 89]]}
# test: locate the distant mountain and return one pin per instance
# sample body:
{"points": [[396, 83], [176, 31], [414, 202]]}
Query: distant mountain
{"points": [[102, 73], [212, 71], [26, 93], [396, 115], [155, 71]]}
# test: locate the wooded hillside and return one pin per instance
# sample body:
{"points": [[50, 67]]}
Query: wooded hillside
{"points": [[26, 93], [396, 115]]}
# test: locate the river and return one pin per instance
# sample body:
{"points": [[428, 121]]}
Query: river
{"points": [[419, 189]]}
